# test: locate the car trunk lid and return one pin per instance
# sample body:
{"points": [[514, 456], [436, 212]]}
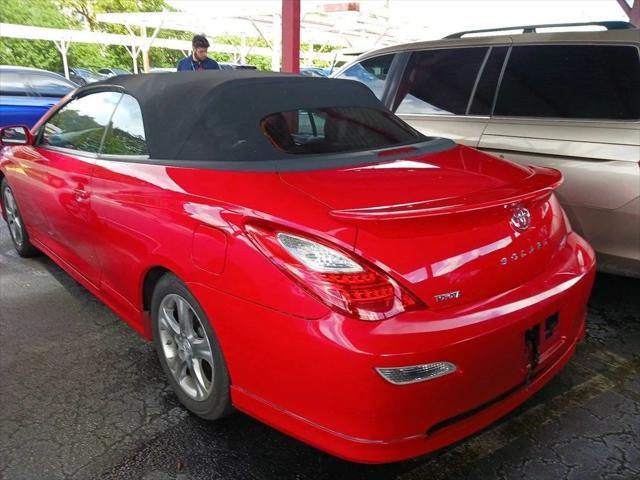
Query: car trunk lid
{"points": [[443, 223]]}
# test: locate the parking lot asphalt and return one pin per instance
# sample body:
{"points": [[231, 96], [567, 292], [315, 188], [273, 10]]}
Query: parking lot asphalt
{"points": [[82, 396]]}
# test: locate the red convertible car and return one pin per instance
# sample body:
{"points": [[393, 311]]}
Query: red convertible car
{"points": [[299, 253]]}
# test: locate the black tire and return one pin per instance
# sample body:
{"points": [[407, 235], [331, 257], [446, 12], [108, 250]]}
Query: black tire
{"points": [[217, 403], [17, 230]]}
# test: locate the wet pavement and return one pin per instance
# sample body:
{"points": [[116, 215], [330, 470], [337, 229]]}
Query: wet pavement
{"points": [[82, 397]]}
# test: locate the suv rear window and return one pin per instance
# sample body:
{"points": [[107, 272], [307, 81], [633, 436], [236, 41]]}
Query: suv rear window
{"points": [[571, 81], [372, 72], [439, 82], [336, 130]]}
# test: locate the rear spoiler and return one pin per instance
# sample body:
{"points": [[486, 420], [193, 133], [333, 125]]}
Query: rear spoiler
{"points": [[541, 182]]}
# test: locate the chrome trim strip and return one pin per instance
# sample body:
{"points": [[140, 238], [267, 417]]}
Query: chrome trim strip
{"points": [[478, 77], [451, 116], [505, 62], [69, 151], [124, 158]]}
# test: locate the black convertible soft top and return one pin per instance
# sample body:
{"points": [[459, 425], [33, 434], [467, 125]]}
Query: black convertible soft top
{"points": [[215, 115]]}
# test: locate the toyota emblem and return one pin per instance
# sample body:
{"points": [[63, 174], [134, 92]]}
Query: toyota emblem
{"points": [[520, 218]]}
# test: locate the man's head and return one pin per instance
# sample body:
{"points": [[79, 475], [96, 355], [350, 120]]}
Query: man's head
{"points": [[200, 46]]}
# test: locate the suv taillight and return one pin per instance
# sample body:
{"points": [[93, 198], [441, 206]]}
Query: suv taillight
{"points": [[342, 282]]}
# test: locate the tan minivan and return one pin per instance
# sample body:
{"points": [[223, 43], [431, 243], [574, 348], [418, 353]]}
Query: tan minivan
{"points": [[564, 99]]}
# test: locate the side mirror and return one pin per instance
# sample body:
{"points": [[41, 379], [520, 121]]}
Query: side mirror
{"points": [[15, 135]]}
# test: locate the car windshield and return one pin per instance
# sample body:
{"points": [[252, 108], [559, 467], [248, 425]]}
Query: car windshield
{"points": [[336, 130]]}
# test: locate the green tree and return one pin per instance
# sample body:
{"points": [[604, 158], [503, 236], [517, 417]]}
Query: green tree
{"points": [[32, 53], [86, 11]]}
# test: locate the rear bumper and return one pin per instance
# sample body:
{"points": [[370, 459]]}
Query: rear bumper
{"points": [[316, 379]]}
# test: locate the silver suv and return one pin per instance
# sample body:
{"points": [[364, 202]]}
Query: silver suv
{"points": [[564, 99]]}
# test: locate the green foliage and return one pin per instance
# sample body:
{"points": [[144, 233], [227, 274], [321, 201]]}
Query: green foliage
{"points": [[80, 132], [40, 13], [263, 63], [118, 141]]}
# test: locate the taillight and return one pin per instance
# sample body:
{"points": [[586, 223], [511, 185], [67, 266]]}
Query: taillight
{"points": [[335, 277]]}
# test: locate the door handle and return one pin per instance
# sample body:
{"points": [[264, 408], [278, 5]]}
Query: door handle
{"points": [[80, 194]]}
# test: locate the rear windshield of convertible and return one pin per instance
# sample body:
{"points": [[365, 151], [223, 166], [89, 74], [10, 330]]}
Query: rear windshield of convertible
{"points": [[335, 130]]}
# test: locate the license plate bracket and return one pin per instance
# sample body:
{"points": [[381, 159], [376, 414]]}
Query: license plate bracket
{"points": [[539, 341]]}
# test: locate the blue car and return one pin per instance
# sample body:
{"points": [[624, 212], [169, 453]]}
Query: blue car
{"points": [[27, 93]]}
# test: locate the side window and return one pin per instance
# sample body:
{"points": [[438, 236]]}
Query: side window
{"points": [[310, 124], [48, 85], [80, 124], [439, 82], [125, 135], [12, 83], [372, 72], [571, 81], [486, 88]]}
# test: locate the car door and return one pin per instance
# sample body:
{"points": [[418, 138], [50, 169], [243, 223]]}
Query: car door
{"points": [[577, 108], [442, 94], [126, 190], [59, 171]]}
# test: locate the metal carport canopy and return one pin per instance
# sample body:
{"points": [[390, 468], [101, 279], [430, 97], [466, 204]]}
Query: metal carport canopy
{"points": [[320, 23], [62, 38]]}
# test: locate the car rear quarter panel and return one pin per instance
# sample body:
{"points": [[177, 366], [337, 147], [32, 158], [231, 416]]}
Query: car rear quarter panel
{"points": [[148, 216]]}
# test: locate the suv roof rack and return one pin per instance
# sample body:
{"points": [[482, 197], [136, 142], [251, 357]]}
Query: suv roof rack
{"points": [[612, 25]]}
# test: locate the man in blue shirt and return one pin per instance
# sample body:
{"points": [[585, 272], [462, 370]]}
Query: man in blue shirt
{"points": [[198, 59]]}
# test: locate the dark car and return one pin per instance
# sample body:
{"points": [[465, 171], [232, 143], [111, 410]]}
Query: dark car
{"points": [[83, 76], [27, 93], [236, 66], [112, 72]]}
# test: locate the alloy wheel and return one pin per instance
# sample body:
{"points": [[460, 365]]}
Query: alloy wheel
{"points": [[186, 347], [15, 224]]}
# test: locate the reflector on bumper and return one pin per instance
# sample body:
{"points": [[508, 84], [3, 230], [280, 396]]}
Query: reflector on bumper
{"points": [[416, 373]]}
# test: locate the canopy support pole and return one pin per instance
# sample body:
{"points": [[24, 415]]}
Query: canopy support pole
{"points": [[63, 48], [145, 49], [133, 51], [243, 48], [146, 45], [310, 54], [291, 36], [275, 44]]}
